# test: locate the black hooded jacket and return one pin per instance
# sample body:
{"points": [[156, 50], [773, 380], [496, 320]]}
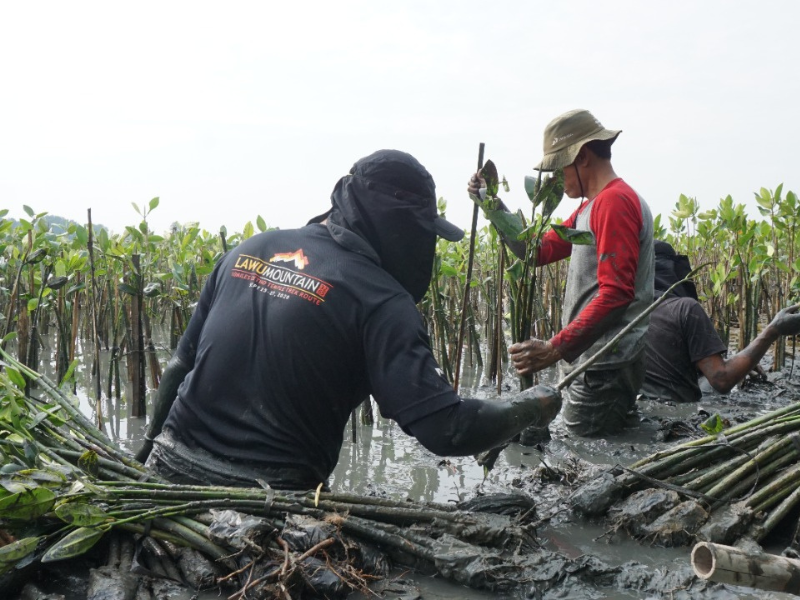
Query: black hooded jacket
{"points": [[671, 267], [397, 224]]}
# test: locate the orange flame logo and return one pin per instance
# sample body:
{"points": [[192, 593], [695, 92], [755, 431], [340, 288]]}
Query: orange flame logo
{"points": [[297, 257]]}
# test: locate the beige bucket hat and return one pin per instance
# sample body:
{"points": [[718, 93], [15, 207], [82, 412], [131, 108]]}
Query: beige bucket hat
{"points": [[566, 134]]}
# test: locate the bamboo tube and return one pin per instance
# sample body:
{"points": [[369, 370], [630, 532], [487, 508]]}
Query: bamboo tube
{"points": [[726, 564]]}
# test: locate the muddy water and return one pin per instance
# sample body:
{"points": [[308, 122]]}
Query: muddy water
{"points": [[384, 461]]}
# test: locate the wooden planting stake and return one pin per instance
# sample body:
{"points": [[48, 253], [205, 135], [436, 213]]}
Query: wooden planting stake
{"points": [[465, 303]]}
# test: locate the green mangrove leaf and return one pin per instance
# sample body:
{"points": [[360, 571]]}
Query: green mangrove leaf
{"points": [[550, 193], [515, 270], [713, 425], [449, 270], [248, 230], [27, 505], [509, 224], [15, 551], [128, 289], [574, 236], [12, 487], [36, 256], [76, 487], [40, 416], [55, 283], [261, 224], [68, 375], [31, 451], [88, 462], [47, 476], [82, 514], [531, 187], [151, 290], [489, 173], [76, 288], [16, 377], [73, 544], [11, 468]]}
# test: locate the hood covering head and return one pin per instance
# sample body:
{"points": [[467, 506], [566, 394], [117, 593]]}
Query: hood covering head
{"points": [[389, 200], [671, 267]]}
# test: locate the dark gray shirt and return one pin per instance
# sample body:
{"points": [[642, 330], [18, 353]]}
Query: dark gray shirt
{"points": [[679, 335]]}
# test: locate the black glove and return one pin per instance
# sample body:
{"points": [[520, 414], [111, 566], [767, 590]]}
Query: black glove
{"points": [[144, 451]]}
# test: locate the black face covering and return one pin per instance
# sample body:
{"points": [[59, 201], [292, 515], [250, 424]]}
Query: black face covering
{"points": [[670, 269], [398, 225]]}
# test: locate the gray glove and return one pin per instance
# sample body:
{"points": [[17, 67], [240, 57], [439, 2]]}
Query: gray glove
{"points": [[539, 405], [787, 321]]}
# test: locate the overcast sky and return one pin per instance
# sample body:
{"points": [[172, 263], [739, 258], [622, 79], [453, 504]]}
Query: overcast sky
{"points": [[227, 111]]}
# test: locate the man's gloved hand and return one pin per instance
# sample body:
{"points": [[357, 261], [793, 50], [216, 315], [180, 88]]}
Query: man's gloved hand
{"points": [[787, 321], [547, 401], [144, 451]]}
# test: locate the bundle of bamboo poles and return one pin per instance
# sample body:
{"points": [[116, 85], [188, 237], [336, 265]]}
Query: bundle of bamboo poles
{"points": [[64, 485], [754, 466]]}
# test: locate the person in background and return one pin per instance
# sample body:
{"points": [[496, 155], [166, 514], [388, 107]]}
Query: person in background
{"points": [[295, 328], [682, 343], [609, 283]]}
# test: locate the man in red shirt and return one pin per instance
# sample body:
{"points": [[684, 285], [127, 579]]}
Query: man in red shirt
{"points": [[609, 282]]}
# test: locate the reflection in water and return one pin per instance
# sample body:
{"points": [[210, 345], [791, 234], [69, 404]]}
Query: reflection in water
{"points": [[386, 461], [117, 422]]}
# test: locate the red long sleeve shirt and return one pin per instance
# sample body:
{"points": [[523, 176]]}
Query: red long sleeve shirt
{"points": [[616, 223]]}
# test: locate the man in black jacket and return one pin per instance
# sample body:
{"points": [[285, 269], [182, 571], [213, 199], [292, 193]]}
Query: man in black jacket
{"points": [[295, 328]]}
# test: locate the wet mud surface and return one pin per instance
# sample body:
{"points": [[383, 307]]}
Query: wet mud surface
{"points": [[384, 461]]}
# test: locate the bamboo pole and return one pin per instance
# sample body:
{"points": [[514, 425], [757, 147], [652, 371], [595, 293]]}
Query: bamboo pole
{"points": [[499, 326], [470, 260], [139, 394], [96, 376], [726, 564]]}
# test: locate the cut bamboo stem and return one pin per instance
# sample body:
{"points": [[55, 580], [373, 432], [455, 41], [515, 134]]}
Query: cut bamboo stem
{"points": [[726, 564]]}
